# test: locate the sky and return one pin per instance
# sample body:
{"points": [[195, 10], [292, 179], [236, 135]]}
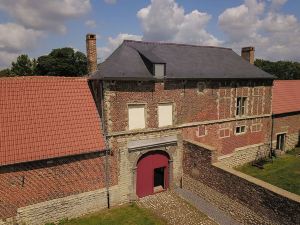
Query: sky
{"points": [[35, 27]]}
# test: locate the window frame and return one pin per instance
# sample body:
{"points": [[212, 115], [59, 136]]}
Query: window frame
{"points": [[241, 106], [240, 127]]}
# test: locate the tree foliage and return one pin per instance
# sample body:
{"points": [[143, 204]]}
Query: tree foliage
{"points": [[62, 62], [22, 67], [5, 73], [284, 70]]}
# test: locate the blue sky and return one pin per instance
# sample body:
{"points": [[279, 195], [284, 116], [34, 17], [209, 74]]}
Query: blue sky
{"points": [[34, 27]]}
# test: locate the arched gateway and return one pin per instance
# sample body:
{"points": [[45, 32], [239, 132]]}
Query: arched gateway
{"points": [[152, 173]]}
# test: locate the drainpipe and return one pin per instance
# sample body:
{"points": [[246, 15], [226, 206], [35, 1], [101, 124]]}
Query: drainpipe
{"points": [[107, 150], [271, 138]]}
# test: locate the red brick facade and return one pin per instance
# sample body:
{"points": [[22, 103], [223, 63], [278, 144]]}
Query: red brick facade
{"points": [[207, 115], [30, 183]]}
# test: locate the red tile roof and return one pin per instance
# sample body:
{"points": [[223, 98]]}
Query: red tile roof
{"points": [[47, 117], [286, 96]]}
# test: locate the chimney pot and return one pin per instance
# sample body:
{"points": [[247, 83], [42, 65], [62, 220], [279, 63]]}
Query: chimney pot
{"points": [[91, 52], [248, 54]]}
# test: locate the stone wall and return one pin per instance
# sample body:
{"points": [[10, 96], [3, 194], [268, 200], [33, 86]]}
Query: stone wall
{"points": [[278, 205], [127, 159], [246, 154], [32, 183]]}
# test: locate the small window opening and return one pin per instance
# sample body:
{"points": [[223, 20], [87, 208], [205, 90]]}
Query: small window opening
{"points": [[240, 129]]}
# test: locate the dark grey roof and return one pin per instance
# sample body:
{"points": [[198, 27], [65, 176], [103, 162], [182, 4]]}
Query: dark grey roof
{"points": [[133, 59]]}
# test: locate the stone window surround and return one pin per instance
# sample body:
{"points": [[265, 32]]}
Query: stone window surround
{"points": [[240, 133]]}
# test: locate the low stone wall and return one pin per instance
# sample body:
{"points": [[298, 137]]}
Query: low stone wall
{"points": [[245, 155], [291, 141], [280, 206], [66, 207]]}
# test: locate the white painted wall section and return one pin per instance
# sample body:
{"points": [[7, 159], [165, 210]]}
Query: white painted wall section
{"points": [[165, 115]]}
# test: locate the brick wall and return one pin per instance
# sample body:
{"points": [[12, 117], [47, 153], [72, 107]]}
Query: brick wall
{"points": [[215, 106], [278, 205], [30, 183], [290, 124]]}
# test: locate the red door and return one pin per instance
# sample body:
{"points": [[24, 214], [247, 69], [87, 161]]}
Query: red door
{"points": [[145, 173]]}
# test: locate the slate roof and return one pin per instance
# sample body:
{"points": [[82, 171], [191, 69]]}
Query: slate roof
{"points": [[47, 117], [286, 96], [131, 61]]}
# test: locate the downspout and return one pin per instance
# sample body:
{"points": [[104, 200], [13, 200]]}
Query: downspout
{"points": [[271, 138], [107, 150], [272, 124]]}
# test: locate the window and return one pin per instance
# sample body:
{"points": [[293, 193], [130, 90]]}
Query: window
{"points": [[159, 70], [165, 115], [240, 129], [280, 141], [136, 116], [201, 131], [241, 106], [223, 133]]}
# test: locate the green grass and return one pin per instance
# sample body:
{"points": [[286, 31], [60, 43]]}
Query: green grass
{"points": [[124, 215], [284, 172]]}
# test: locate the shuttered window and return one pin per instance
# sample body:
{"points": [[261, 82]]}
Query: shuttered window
{"points": [[165, 115], [136, 117]]}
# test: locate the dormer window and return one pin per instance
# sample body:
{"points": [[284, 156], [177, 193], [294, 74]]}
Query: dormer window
{"points": [[159, 70]]}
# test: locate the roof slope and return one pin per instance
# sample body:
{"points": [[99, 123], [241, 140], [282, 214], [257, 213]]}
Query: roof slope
{"points": [[182, 62], [286, 96], [47, 117]]}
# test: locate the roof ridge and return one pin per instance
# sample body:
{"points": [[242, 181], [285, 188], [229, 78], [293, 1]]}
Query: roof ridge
{"points": [[42, 77], [172, 43]]}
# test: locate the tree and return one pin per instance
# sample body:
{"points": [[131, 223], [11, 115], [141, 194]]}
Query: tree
{"points": [[284, 70], [22, 67], [5, 73], [62, 62]]}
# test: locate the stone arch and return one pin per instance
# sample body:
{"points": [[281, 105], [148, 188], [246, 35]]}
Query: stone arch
{"points": [[147, 164]]}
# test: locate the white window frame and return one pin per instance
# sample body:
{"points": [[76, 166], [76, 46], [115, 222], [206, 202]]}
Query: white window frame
{"points": [[240, 128], [241, 106], [145, 113]]}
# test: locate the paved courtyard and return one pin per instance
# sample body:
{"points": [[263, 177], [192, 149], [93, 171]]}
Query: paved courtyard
{"points": [[174, 209]]}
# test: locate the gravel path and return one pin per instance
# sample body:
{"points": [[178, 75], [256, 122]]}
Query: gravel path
{"points": [[174, 209]]}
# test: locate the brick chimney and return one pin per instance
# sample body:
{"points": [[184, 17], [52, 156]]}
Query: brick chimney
{"points": [[248, 54], [91, 53]]}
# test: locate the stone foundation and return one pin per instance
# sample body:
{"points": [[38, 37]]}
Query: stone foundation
{"points": [[245, 155], [67, 207]]}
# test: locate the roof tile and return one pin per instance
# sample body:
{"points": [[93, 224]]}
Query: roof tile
{"points": [[286, 96], [46, 117]]}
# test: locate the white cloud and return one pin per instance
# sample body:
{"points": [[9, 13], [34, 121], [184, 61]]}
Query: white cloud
{"points": [[33, 19], [45, 14], [91, 23], [165, 20], [15, 39], [275, 35], [113, 43], [110, 1]]}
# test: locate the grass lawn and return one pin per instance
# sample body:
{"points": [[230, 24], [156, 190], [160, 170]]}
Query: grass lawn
{"points": [[284, 172], [123, 215]]}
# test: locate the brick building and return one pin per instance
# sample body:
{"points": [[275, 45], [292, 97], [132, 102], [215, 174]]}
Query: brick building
{"points": [[52, 150], [74, 145], [152, 96], [286, 114]]}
